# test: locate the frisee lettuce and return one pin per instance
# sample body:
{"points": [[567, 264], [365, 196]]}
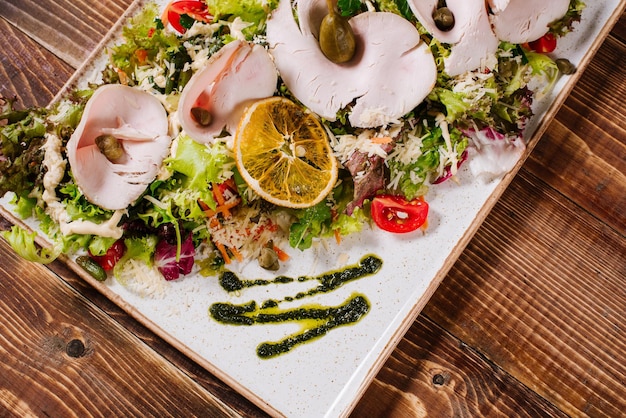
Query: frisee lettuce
{"points": [[23, 243]]}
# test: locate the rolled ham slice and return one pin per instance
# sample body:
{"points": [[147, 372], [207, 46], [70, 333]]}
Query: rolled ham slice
{"points": [[139, 122], [391, 72], [521, 21], [473, 42], [235, 76]]}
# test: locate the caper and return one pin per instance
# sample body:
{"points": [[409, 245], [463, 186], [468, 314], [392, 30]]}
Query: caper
{"points": [[110, 146], [565, 66], [444, 19], [202, 116], [268, 259], [90, 266], [337, 39]]}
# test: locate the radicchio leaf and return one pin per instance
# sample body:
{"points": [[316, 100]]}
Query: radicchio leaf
{"points": [[165, 258]]}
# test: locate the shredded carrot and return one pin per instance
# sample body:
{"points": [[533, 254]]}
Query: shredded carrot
{"points": [[219, 196], [282, 256], [236, 253], [223, 251], [223, 208], [213, 222], [381, 140], [337, 236]]}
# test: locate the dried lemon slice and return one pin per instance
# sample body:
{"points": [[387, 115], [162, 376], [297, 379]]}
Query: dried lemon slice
{"points": [[283, 154]]}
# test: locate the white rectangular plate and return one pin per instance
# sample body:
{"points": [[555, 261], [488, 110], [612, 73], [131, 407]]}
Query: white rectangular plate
{"points": [[326, 377]]}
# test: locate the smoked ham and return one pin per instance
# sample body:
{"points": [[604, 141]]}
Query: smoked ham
{"points": [[391, 72], [473, 43], [235, 76], [523, 21], [138, 121]]}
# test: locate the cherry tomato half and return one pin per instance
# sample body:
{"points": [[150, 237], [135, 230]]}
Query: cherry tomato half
{"points": [[396, 214], [545, 44], [195, 9], [112, 256]]}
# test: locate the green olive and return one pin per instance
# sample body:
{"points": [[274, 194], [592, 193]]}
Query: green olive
{"points": [[444, 19], [565, 66], [337, 40], [202, 116], [110, 146]]}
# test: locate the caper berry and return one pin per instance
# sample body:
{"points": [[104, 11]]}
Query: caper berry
{"points": [[268, 259], [202, 116], [565, 66], [444, 19], [337, 40], [110, 146]]}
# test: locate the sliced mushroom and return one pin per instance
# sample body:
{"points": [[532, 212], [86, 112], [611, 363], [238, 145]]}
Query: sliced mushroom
{"points": [[526, 20], [215, 97], [138, 122], [473, 42], [391, 72]]}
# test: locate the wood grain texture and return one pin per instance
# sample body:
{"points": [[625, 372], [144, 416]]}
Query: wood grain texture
{"points": [[27, 70], [550, 314], [69, 29], [38, 377], [433, 374], [583, 154]]}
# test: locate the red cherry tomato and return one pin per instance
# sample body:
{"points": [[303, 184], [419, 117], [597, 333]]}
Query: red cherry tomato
{"points": [[112, 256], [196, 9], [545, 44], [396, 214]]}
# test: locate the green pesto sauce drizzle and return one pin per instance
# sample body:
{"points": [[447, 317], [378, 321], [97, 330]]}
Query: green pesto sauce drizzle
{"points": [[315, 320]]}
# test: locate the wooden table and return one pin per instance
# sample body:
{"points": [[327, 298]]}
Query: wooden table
{"points": [[531, 320]]}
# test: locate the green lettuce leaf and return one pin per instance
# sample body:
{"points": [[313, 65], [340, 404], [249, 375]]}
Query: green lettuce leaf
{"points": [[23, 243], [311, 223], [251, 11]]}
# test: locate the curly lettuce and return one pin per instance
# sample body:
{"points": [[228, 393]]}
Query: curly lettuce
{"points": [[23, 243], [21, 137]]}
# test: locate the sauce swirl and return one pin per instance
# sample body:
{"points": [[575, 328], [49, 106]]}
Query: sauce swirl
{"points": [[315, 320]]}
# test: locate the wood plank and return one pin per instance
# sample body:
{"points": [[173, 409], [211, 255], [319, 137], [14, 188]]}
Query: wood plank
{"points": [[432, 373], [41, 375], [22, 73], [56, 25], [583, 154], [549, 312]]}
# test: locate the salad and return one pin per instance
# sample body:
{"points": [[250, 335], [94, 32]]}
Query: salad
{"points": [[144, 170]]}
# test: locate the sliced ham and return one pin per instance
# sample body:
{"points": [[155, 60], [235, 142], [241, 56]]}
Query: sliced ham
{"points": [[236, 75], [496, 6], [391, 72], [139, 122], [473, 43], [526, 20]]}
